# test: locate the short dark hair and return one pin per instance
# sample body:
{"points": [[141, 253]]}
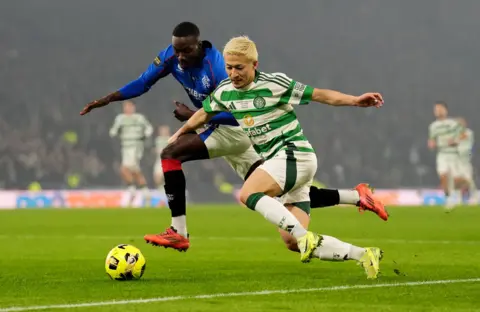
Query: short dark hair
{"points": [[186, 29], [441, 103]]}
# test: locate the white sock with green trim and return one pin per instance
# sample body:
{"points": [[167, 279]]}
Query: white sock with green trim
{"points": [[333, 249], [276, 213]]}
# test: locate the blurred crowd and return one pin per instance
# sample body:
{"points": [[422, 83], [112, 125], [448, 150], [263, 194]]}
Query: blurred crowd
{"points": [[52, 64]]}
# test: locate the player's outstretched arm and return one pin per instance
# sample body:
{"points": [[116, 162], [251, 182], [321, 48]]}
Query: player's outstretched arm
{"points": [[157, 70], [112, 97], [336, 98], [200, 118]]}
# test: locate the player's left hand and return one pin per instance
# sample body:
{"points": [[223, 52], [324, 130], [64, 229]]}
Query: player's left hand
{"points": [[369, 99], [182, 112], [173, 138]]}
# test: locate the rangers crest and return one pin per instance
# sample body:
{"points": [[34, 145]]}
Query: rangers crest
{"points": [[206, 82]]}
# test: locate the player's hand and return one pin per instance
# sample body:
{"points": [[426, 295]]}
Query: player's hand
{"points": [[182, 112], [92, 105], [173, 138], [369, 99], [452, 142]]}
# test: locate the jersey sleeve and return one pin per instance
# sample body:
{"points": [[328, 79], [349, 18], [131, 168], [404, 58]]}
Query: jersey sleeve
{"points": [[459, 128], [212, 105], [148, 127], [293, 92], [431, 133], [159, 68], [116, 126]]}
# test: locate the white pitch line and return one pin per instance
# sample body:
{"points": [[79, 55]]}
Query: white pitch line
{"points": [[234, 294], [243, 238]]}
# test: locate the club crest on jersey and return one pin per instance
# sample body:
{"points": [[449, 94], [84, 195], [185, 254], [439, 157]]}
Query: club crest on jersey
{"points": [[248, 121], [206, 82], [259, 102]]}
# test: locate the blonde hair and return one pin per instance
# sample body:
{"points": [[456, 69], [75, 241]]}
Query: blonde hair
{"points": [[242, 46]]}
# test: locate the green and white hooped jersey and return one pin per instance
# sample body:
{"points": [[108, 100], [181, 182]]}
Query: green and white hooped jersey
{"points": [[465, 147], [264, 110], [442, 131], [132, 129]]}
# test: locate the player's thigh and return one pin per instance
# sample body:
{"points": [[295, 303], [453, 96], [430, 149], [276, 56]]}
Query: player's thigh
{"points": [[138, 158], [139, 152], [465, 170], [299, 197], [446, 165], [292, 169], [130, 159], [225, 141], [242, 163], [260, 181], [187, 147], [284, 173]]}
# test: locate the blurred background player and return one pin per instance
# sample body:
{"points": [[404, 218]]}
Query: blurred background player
{"points": [[465, 168], [160, 142], [444, 133], [133, 129]]}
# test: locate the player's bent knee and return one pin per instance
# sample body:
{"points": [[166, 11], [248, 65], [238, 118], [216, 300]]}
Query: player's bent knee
{"points": [[168, 153], [250, 199], [243, 196]]}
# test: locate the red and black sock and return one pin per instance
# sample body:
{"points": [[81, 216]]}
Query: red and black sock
{"points": [[175, 186]]}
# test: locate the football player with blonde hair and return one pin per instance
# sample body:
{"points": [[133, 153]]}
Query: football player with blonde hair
{"points": [[262, 104]]}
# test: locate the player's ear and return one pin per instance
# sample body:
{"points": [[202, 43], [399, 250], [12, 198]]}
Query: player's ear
{"points": [[255, 64]]}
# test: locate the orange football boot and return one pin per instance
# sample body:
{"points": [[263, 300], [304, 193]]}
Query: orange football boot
{"points": [[369, 202], [168, 239]]}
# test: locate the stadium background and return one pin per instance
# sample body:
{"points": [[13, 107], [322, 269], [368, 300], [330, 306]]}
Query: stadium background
{"points": [[55, 56]]}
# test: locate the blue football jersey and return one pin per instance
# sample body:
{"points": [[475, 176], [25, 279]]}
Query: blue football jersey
{"points": [[197, 81]]}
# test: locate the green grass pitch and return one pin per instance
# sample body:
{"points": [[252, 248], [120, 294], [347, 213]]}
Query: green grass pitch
{"points": [[55, 257]]}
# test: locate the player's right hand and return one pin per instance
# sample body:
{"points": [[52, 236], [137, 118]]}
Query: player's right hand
{"points": [[369, 99], [182, 112], [90, 106]]}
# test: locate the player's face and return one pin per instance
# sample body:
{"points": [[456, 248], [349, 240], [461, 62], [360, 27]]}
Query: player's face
{"points": [[440, 111], [187, 50], [128, 108], [240, 70]]}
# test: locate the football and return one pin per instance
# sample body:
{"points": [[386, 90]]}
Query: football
{"points": [[125, 262]]}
